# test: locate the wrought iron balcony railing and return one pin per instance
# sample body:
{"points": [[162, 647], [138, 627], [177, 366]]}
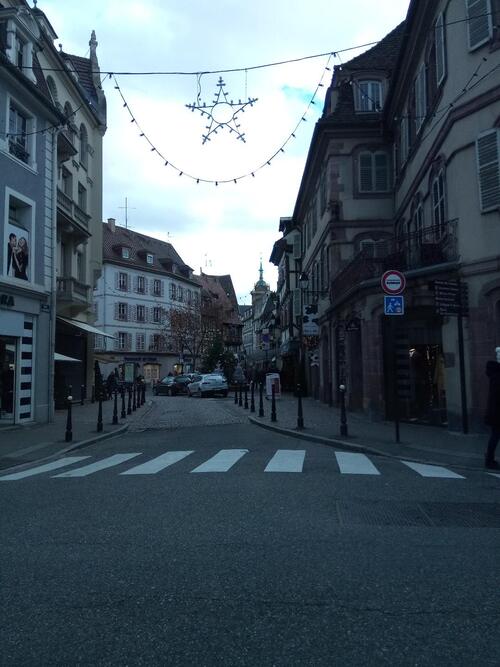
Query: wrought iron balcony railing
{"points": [[425, 247]]}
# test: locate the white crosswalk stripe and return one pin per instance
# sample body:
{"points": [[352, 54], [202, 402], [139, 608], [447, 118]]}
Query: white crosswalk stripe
{"points": [[159, 463], [494, 474], [426, 470], [222, 461], [352, 463], [46, 467], [109, 462], [287, 460]]}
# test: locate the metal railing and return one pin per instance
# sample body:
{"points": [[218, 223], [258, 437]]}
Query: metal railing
{"points": [[71, 289]]}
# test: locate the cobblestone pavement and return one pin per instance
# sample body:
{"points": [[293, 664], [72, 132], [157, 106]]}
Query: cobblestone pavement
{"points": [[169, 412]]}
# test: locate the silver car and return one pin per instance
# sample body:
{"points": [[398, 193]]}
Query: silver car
{"points": [[208, 385]]}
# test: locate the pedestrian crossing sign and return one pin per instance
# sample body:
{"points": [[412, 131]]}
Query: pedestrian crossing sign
{"points": [[394, 305]]}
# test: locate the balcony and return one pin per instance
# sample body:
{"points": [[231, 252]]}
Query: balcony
{"points": [[71, 218], [428, 247], [73, 297]]}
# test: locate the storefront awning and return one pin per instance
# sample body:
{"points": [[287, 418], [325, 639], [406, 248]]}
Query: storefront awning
{"points": [[63, 357], [85, 327]]}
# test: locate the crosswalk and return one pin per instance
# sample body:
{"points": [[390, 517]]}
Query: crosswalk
{"points": [[226, 460]]}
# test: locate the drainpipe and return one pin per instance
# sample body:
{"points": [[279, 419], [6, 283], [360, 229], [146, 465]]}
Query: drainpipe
{"points": [[53, 300]]}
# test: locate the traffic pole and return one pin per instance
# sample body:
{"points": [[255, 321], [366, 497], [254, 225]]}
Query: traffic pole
{"points": [[252, 397], [240, 400], [115, 407], [261, 400], [343, 416], [69, 423], [300, 415], [123, 414], [246, 397], [273, 403], [99, 412]]}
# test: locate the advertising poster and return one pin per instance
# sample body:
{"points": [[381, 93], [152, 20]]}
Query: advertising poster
{"points": [[18, 252]]}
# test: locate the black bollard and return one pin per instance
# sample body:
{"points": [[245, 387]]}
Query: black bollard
{"points": [[246, 397], [236, 394], [69, 423], [115, 408], [240, 400], [144, 393], [343, 416], [252, 397], [273, 403], [129, 405], [261, 400], [99, 413], [300, 415], [134, 399], [82, 393], [92, 396], [123, 414]]}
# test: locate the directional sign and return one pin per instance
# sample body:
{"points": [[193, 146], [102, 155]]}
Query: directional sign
{"points": [[451, 297], [394, 305], [393, 282]]}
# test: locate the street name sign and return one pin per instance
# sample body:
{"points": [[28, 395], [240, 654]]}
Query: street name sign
{"points": [[393, 282]]}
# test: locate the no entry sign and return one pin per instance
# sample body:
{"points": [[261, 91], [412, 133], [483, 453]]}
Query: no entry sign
{"points": [[393, 282]]}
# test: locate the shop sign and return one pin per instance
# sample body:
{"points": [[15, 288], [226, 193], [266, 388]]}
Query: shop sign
{"points": [[310, 326], [7, 300]]}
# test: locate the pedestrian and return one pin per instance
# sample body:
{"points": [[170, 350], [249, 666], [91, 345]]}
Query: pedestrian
{"points": [[492, 417]]}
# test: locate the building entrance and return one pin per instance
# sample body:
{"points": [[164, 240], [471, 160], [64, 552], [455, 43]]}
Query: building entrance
{"points": [[8, 349]]}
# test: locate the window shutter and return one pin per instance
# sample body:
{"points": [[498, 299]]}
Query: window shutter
{"points": [[117, 280], [297, 250], [365, 172], [488, 162], [439, 41], [297, 301], [381, 172], [479, 23], [420, 98], [162, 288], [117, 309], [129, 341]]}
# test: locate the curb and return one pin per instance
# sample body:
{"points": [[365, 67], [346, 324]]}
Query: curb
{"points": [[335, 442]]}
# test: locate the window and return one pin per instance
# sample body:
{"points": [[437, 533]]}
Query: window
{"points": [[99, 342], [141, 313], [156, 315], [67, 182], [368, 97], [157, 287], [196, 298], [140, 342], [189, 297], [479, 23], [173, 292], [123, 340], [122, 311], [149, 258], [156, 343], [123, 282], [439, 205], [180, 293], [440, 48], [125, 253], [68, 112], [488, 168], [80, 266], [19, 124], [418, 219], [82, 197], [19, 52], [404, 137], [141, 284], [420, 98], [84, 146], [373, 172]]}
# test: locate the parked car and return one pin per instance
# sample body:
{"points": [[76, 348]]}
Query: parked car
{"points": [[208, 385], [172, 385]]}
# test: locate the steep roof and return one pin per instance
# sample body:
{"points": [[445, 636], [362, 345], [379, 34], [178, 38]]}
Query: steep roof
{"points": [[83, 68], [221, 288], [139, 245], [381, 56]]}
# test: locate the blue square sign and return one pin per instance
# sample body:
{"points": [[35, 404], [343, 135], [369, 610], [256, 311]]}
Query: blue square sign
{"points": [[394, 305]]}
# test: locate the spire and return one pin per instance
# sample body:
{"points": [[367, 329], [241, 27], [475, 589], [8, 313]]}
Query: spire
{"points": [[261, 271]]}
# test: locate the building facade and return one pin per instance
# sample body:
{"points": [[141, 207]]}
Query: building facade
{"points": [[142, 280], [403, 174]]}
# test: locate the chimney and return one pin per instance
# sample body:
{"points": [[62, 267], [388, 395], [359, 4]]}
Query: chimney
{"points": [[112, 224]]}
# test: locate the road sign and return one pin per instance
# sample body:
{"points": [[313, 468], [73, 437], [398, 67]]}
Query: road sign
{"points": [[394, 305], [451, 297], [393, 282]]}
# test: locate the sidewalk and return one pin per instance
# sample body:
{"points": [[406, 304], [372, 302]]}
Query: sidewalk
{"points": [[23, 444], [429, 444]]}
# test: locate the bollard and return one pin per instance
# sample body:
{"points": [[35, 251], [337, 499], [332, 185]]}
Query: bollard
{"points": [[99, 413], [115, 408], [92, 395], [246, 397], [343, 416], [134, 398], [252, 397], [69, 423], [236, 394], [123, 414], [300, 415], [273, 403], [82, 393], [261, 400], [129, 405], [240, 400], [144, 393]]}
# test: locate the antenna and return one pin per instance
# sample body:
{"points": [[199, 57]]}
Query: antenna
{"points": [[126, 207]]}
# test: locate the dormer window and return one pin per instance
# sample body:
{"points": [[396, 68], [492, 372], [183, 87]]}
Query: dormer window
{"points": [[19, 32], [368, 96], [125, 253], [149, 258]]}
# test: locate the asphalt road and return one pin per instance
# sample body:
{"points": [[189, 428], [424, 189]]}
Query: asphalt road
{"points": [[171, 564]]}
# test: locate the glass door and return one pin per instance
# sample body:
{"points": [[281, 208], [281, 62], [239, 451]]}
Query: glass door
{"points": [[7, 378]]}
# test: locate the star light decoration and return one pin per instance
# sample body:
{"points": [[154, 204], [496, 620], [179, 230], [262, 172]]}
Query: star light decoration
{"points": [[223, 112]]}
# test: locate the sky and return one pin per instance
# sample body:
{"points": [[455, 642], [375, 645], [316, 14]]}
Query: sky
{"points": [[225, 228]]}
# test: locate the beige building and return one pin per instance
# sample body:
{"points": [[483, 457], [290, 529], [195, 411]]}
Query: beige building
{"points": [[403, 174]]}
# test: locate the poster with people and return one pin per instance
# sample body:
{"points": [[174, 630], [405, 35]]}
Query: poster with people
{"points": [[18, 249]]}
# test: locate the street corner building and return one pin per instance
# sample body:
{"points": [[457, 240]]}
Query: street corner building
{"points": [[50, 213], [402, 174]]}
